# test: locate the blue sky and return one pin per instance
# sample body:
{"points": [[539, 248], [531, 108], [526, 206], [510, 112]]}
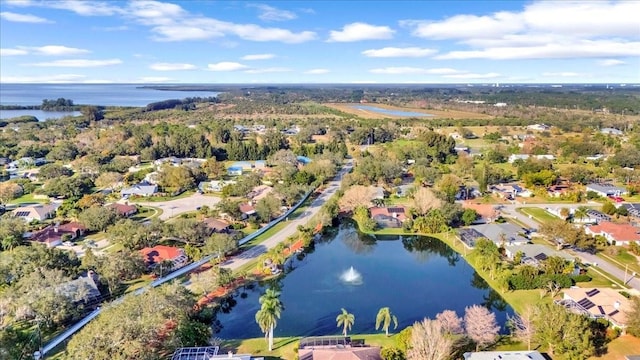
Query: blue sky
{"points": [[319, 41]]}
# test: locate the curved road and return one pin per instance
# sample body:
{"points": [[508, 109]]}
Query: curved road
{"points": [[510, 211], [292, 226]]}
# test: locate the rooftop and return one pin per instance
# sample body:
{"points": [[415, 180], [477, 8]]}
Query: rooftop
{"points": [[159, 253], [504, 355], [619, 232], [601, 302]]}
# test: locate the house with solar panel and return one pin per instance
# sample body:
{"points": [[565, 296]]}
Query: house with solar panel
{"points": [[38, 212], [598, 303], [535, 254]]}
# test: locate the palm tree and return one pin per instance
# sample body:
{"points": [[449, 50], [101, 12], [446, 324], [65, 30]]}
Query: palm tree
{"points": [[581, 213], [385, 318], [345, 320], [10, 242], [378, 202], [269, 313]]}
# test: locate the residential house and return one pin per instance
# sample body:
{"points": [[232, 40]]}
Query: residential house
{"points": [[244, 165], [533, 254], [403, 190], [469, 236], [611, 131], [214, 185], [159, 253], [84, 287], [596, 303], [206, 353], [504, 355], [53, 235], [539, 127], [259, 164], [141, 189], [606, 189], [557, 211], [596, 216], [171, 160], [632, 209], [486, 212], [124, 210], [509, 191], [616, 234], [514, 157], [234, 171], [38, 212], [557, 191], [217, 226], [502, 234], [377, 193], [247, 211], [388, 217], [342, 353], [259, 192]]}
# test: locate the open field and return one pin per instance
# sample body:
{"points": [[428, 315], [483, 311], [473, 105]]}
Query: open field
{"points": [[538, 214], [448, 114]]}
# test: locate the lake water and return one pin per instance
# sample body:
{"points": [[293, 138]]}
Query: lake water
{"points": [[41, 115], [90, 94], [416, 277], [388, 111]]}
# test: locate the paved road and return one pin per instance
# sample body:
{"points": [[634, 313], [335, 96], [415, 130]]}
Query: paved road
{"points": [[613, 270], [292, 226], [176, 207]]}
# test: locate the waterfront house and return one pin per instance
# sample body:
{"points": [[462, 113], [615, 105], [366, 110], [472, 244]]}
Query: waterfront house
{"points": [[534, 254], [502, 234], [388, 217]]}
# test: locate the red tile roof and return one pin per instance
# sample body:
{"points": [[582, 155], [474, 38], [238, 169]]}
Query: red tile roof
{"points": [[397, 212], [124, 209], [52, 233], [159, 253], [247, 209], [619, 232]]}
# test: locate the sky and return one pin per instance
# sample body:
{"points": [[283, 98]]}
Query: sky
{"points": [[206, 41]]}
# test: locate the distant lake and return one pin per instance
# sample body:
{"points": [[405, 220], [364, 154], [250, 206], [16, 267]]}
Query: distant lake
{"points": [[41, 115], [388, 111], [91, 94], [416, 276]]}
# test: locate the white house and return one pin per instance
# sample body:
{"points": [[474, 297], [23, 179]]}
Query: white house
{"points": [[514, 157], [214, 185], [142, 189], [539, 127], [605, 189], [611, 131]]}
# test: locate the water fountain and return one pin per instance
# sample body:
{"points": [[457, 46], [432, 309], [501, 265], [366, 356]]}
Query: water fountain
{"points": [[351, 276]]}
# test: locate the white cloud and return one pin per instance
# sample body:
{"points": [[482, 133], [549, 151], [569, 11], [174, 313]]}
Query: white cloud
{"points": [[543, 29], [59, 78], [77, 63], [389, 52], [47, 50], [569, 50], [490, 75], [317, 71], [267, 70], [84, 8], [258, 57], [269, 13], [23, 18], [226, 66], [404, 70], [12, 52], [610, 62], [561, 74], [361, 31], [171, 66]]}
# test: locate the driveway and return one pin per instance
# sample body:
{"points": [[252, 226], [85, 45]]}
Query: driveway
{"points": [[176, 207]]}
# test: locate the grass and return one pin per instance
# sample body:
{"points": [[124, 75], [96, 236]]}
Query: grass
{"points": [[145, 212], [285, 348], [29, 198], [162, 198], [618, 348], [622, 259], [538, 214]]}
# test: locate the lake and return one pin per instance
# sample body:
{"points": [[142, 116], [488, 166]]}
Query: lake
{"points": [[416, 277], [388, 111], [41, 115], [91, 94]]}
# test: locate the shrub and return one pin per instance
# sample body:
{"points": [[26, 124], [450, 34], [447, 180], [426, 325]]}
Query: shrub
{"points": [[581, 278]]}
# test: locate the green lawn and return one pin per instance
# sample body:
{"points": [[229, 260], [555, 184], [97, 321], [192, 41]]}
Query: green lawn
{"points": [[285, 348], [538, 214], [622, 260], [28, 198], [162, 198], [145, 212]]}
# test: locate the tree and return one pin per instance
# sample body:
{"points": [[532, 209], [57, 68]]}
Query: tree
{"points": [[91, 200], [268, 207], [357, 195], [425, 200], [220, 244], [469, 216], [98, 218], [269, 313], [121, 266], [567, 335], [522, 326], [385, 318], [92, 113], [450, 322], [449, 186], [51, 171], [345, 320], [108, 179], [176, 177], [11, 230], [564, 213], [391, 353], [581, 213], [428, 341], [213, 168], [9, 191], [633, 317], [480, 325]]}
